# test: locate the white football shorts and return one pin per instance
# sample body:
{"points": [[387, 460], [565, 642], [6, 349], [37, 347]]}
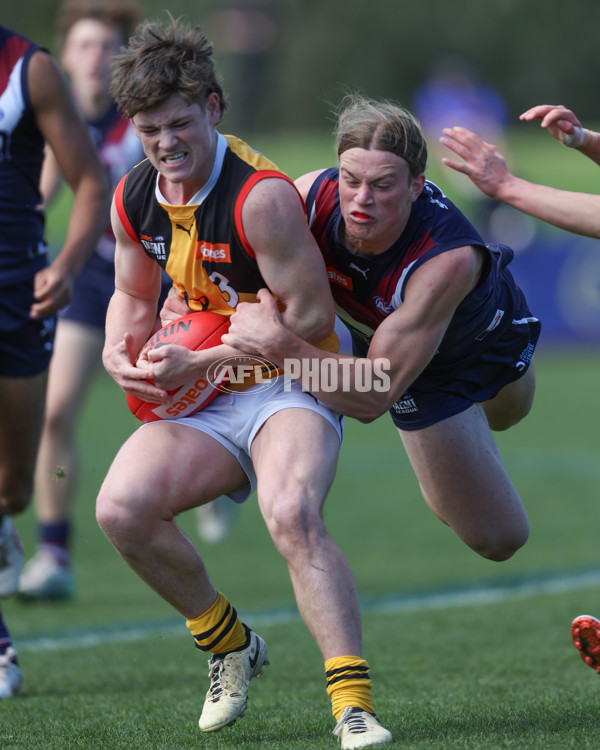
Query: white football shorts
{"points": [[233, 419]]}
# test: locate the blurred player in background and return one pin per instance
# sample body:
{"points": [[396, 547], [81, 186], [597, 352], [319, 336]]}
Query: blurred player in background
{"points": [[91, 33], [455, 95], [423, 295], [574, 212], [224, 222], [36, 106]]}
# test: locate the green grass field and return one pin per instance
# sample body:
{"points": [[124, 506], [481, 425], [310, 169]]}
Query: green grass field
{"points": [[464, 653]]}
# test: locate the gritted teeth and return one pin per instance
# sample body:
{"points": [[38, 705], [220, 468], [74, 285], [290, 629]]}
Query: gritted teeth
{"points": [[175, 157]]}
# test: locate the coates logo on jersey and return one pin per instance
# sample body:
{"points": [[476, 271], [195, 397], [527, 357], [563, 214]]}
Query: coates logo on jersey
{"points": [[383, 306], [217, 252], [335, 277]]}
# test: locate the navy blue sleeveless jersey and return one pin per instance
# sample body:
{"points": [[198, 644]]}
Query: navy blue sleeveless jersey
{"points": [[21, 156], [25, 344], [491, 318]]}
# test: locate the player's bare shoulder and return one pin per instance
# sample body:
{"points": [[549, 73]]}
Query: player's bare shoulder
{"points": [[45, 81], [306, 181], [271, 194], [272, 212]]}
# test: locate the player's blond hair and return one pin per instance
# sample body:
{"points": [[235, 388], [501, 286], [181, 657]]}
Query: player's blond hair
{"points": [[382, 125], [161, 60]]}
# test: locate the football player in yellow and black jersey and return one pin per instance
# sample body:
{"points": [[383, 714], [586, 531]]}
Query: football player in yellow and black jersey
{"points": [[223, 222]]}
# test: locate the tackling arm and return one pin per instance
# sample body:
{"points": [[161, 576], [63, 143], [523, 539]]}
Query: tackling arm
{"points": [[289, 258], [51, 179], [401, 348]]}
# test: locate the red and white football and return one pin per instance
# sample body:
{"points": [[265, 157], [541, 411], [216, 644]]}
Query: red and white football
{"points": [[196, 331]]}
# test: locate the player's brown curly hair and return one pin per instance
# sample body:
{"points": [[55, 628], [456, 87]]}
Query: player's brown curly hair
{"points": [[161, 60]]}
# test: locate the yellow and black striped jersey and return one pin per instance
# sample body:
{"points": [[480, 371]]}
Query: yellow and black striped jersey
{"points": [[201, 245]]}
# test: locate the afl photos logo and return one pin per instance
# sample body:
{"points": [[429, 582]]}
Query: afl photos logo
{"points": [[236, 374]]}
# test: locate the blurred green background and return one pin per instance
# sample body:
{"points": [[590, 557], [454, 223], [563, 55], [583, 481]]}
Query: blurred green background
{"points": [[284, 61], [287, 63], [316, 50], [488, 677]]}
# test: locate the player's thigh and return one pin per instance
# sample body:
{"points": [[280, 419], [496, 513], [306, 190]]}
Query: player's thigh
{"points": [[295, 456], [77, 356], [512, 403], [460, 470], [21, 417], [165, 468]]}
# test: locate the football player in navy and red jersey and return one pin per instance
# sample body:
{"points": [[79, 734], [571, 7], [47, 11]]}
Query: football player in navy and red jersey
{"points": [[224, 222], [426, 298], [574, 212], [36, 106], [91, 33]]}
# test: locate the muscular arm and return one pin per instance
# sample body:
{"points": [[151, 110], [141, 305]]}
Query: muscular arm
{"points": [[407, 339], [484, 164], [289, 258], [67, 136], [131, 315]]}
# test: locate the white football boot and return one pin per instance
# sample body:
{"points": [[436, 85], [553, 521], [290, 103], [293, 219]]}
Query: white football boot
{"points": [[44, 577], [230, 674], [359, 728]]}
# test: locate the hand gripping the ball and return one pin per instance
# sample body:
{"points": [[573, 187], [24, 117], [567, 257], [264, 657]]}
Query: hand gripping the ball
{"points": [[196, 331]]}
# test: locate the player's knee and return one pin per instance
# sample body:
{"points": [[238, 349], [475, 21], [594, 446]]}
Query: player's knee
{"points": [[501, 547], [293, 525], [105, 514], [114, 517]]}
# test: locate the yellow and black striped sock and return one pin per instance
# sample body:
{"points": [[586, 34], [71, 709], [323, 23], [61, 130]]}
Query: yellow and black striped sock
{"points": [[219, 629], [348, 684]]}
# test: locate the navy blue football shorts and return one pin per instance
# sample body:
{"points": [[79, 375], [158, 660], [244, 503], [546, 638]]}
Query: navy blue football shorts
{"points": [[92, 291], [430, 400], [25, 345]]}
